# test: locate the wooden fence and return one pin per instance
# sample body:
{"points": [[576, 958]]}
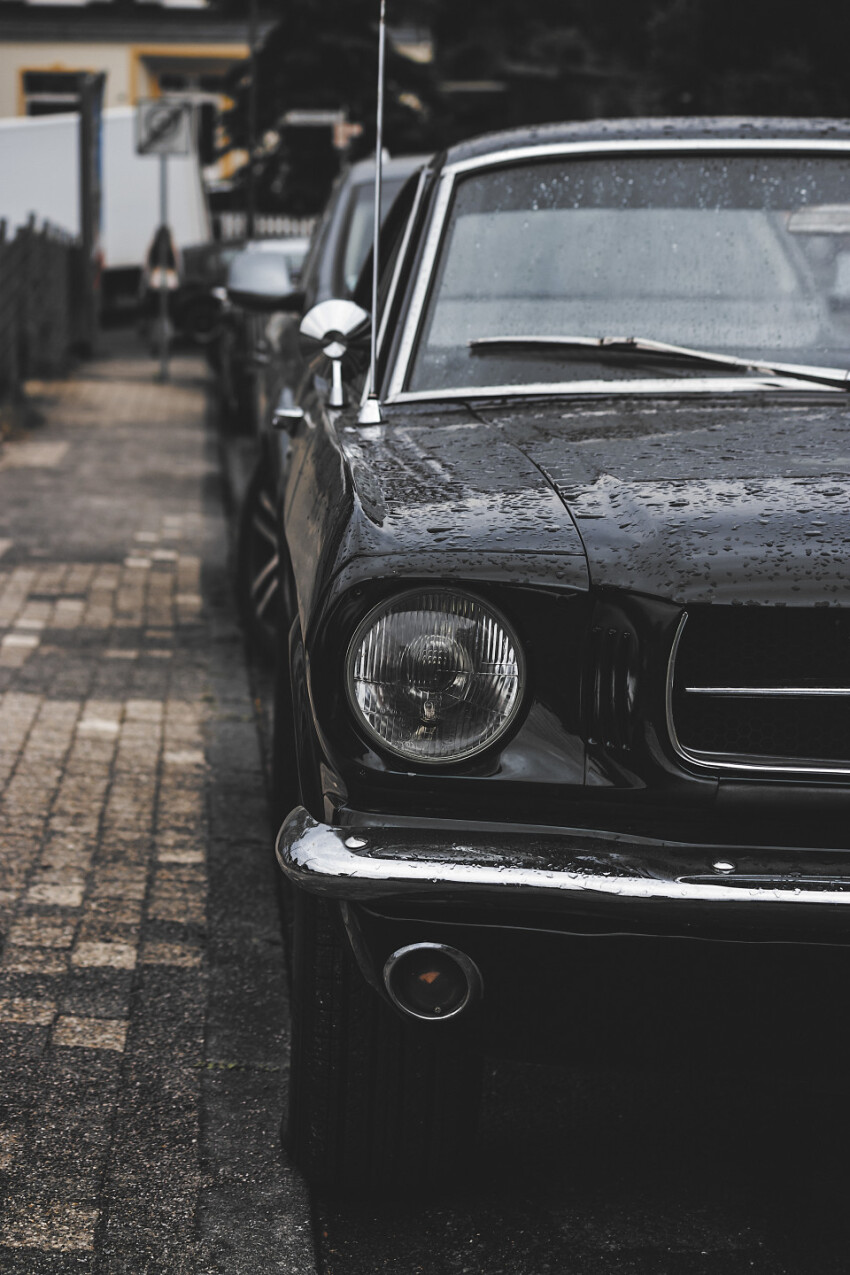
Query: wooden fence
{"points": [[40, 304]]}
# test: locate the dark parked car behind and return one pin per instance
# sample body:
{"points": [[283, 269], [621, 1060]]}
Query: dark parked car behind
{"points": [[564, 657], [269, 354], [238, 349]]}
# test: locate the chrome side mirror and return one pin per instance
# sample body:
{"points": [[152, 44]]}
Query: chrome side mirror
{"points": [[335, 326]]}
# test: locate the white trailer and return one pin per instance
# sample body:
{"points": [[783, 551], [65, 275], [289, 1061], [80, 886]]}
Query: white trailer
{"points": [[39, 173]]}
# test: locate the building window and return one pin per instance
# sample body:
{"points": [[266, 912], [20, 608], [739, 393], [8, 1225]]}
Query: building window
{"points": [[50, 92]]}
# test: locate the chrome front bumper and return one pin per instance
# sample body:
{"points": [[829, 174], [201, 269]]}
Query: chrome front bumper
{"points": [[568, 870]]}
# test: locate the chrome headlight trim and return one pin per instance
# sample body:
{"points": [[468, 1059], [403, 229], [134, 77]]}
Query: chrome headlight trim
{"points": [[395, 603]]}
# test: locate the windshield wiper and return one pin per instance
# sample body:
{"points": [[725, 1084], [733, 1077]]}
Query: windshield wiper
{"points": [[836, 376]]}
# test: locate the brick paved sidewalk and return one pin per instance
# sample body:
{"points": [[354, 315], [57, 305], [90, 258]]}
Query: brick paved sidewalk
{"points": [[142, 1021]]}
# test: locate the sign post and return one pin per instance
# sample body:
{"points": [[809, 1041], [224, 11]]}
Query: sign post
{"points": [[91, 87], [163, 128], [163, 268]]}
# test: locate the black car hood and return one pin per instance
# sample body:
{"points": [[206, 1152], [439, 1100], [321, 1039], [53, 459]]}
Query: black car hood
{"points": [[447, 492], [742, 499], [739, 501]]}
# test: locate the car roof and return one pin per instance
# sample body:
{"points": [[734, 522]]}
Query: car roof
{"points": [[673, 128]]}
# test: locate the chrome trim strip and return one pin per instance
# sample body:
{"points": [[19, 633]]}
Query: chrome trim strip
{"points": [[770, 692], [645, 146], [316, 857], [712, 761], [423, 281], [558, 389]]}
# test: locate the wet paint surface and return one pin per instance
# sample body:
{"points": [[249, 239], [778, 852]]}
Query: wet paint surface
{"points": [[728, 501]]}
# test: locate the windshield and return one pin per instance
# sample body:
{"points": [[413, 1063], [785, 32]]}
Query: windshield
{"points": [[743, 254]]}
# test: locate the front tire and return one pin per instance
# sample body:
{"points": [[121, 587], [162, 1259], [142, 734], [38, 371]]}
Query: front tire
{"points": [[376, 1104]]}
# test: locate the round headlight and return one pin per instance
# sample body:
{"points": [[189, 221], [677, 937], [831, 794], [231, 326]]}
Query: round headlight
{"points": [[434, 675]]}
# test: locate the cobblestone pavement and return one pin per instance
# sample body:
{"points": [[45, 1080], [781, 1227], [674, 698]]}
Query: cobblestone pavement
{"points": [[142, 1002]]}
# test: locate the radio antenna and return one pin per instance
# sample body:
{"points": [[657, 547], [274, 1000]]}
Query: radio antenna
{"points": [[370, 411]]}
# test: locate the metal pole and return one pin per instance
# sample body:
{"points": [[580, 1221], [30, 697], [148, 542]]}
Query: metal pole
{"points": [[251, 194], [370, 412], [163, 268]]}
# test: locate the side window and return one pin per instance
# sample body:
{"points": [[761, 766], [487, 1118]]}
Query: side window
{"points": [[392, 238], [310, 269], [392, 234], [356, 241]]}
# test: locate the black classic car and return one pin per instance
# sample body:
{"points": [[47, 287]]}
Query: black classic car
{"points": [[564, 655]]}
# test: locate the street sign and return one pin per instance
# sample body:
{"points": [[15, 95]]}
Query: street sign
{"points": [[164, 126]]}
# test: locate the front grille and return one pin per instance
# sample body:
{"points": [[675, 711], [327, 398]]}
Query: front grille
{"points": [[759, 687]]}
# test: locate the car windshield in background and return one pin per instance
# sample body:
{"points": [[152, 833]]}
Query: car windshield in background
{"points": [[741, 254], [361, 225]]}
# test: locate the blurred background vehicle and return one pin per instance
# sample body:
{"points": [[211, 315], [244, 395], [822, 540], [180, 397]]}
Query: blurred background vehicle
{"points": [[198, 308], [237, 344], [197, 305], [338, 251]]}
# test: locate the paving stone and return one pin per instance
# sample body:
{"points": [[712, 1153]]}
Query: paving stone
{"points": [[35, 1013], [120, 956], [125, 715], [27, 960], [89, 1033], [38, 931], [181, 955], [65, 1227]]}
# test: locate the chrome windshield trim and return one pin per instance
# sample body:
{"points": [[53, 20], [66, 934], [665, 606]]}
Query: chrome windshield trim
{"points": [[770, 692], [645, 146], [317, 857], [416, 308], [677, 386], [733, 763], [399, 265]]}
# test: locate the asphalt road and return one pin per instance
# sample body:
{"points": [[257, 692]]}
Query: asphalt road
{"points": [[143, 1005]]}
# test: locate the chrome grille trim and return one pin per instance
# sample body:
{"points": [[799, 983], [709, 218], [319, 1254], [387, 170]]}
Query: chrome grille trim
{"points": [[771, 692], [733, 762]]}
